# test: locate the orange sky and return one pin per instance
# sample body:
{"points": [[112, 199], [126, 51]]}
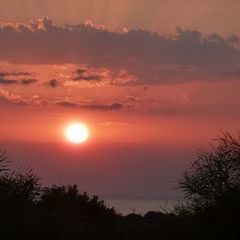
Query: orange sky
{"points": [[146, 97]]}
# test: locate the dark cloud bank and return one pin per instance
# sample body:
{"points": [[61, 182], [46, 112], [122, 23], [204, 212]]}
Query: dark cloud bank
{"points": [[135, 57]]}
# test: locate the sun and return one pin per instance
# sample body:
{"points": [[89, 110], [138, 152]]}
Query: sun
{"points": [[77, 133]]}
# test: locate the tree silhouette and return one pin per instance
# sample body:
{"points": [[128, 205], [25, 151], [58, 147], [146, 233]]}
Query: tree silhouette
{"points": [[63, 201], [21, 187], [214, 176]]}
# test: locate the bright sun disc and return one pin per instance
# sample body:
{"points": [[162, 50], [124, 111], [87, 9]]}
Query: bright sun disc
{"points": [[77, 133]]}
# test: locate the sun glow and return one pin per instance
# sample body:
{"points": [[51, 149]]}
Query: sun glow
{"points": [[77, 133]]}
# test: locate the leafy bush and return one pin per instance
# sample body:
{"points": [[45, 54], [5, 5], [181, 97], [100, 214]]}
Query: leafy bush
{"points": [[214, 177]]}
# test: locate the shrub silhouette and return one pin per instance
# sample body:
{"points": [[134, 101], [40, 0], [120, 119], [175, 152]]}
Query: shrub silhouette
{"points": [[212, 188], [18, 193], [214, 176], [71, 213], [67, 201]]}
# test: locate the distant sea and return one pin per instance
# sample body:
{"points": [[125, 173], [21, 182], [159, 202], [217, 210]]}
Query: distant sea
{"points": [[140, 205]]}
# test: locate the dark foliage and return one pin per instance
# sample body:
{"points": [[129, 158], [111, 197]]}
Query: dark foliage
{"points": [[212, 188], [214, 177], [30, 212]]}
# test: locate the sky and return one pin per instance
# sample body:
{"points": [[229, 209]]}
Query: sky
{"points": [[151, 80]]}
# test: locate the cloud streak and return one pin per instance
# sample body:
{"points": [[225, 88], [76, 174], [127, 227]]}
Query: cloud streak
{"points": [[4, 81], [7, 81], [4, 78], [16, 74], [28, 81], [95, 107]]}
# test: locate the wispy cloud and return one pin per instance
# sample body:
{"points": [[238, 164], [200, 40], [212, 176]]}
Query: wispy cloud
{"points": [[96, 107], [28, 81], [21, 78], [7, 81]]}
